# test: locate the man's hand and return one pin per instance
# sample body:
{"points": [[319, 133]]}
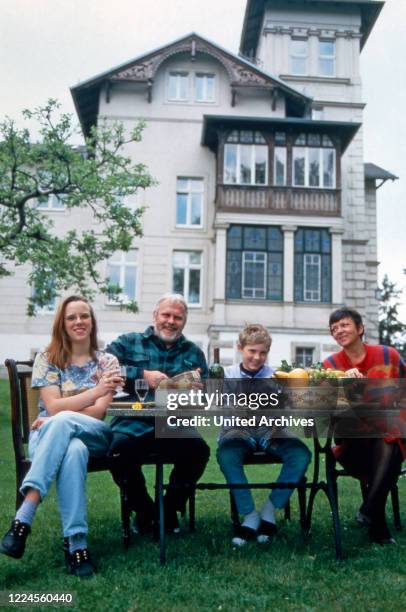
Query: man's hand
{"points": [[154, 377], [354, 373], [39, 421]]}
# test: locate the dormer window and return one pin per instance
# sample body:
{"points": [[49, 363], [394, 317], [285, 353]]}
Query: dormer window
{"points": [[245, 158]]}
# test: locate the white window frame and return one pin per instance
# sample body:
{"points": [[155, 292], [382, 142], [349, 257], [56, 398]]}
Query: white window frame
{"points": [[299, 56], [178, 98], [330, 58], [48, 309], [51, 204], [189, 192], [205, 76], [252, 166], [123, 265], [285, 163], [311, 295], [187, 267], [254, 290], [304, 349], [305, 150]]}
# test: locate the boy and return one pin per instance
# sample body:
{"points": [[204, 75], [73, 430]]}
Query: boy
{"points": [[235, 444]]}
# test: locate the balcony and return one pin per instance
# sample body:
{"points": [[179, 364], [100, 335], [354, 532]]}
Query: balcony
{"points": [[278, 200]]}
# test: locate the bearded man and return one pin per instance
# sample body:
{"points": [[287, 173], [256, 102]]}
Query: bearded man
{"points": [[160, 352]]}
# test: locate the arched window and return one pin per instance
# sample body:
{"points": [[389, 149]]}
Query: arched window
{"points": [[245, 158]]}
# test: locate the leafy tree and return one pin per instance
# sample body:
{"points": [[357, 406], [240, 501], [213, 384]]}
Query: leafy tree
{"points": [[392, 331], [94, 179]]}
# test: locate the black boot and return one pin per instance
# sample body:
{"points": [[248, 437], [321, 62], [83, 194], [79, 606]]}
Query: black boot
{"points": [[13, 543]]}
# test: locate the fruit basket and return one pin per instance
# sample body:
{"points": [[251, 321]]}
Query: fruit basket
{"points": [[321, 396], [310, 389]]}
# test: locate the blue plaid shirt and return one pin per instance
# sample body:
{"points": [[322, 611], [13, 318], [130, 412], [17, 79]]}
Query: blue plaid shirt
{"points": [[145, 351]]}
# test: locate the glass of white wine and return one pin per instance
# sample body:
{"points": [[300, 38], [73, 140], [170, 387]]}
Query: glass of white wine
{"points": [[120, 393], [141, 388]]}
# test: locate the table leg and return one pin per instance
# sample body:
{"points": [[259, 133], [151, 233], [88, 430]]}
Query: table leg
{"points": [[160, 496]]}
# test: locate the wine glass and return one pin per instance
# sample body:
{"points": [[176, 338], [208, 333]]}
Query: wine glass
{"points": [[141, 388], [119, 390]]}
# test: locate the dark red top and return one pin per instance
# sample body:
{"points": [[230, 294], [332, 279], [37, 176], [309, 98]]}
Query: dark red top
{"points": [[379, 362]]}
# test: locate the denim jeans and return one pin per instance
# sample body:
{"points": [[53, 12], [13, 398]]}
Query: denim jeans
{"points": [[232, 452], [59, 451]]}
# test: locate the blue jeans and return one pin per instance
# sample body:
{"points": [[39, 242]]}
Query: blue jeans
{"points": [[231, 454], [59, 451]]}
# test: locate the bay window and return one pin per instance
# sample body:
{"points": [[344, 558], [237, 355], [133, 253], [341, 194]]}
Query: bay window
{"points": [[245, 158], [314, 161], [280, 159]]}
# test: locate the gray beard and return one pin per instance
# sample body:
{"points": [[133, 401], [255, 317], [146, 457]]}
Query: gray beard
{"points": [[167, 339]]}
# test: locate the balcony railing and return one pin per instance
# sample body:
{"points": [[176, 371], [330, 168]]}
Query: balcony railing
{"points": [[278, 200]]}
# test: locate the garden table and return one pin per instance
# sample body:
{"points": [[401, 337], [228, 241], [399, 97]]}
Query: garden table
{"points": [[323, 423]]}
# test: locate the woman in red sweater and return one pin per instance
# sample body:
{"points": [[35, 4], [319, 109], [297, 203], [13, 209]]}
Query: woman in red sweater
{"points": [[376, 461]]}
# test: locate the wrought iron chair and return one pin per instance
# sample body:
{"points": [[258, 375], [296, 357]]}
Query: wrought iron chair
{"points": [[262, 458]]}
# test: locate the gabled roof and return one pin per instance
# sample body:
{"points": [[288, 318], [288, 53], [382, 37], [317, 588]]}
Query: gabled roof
{"points": [[255, 9], [143, 69]]}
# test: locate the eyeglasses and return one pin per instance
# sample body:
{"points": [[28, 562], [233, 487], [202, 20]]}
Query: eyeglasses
{"points": [[85, 316]]}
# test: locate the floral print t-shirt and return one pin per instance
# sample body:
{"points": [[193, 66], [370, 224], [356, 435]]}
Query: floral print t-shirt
{"points": [[73, 379]]}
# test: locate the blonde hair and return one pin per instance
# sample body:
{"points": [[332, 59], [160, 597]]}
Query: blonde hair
{"points": [[255, 334]]}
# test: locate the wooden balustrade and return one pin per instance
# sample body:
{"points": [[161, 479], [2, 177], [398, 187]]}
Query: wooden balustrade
{"points": [[283, 200]]}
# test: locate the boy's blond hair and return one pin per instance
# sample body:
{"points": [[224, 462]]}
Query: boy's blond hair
{"points": [[255, 334]]}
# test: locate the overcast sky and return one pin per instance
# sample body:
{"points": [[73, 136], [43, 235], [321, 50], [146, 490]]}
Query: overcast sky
{"points": [[46, 46]]}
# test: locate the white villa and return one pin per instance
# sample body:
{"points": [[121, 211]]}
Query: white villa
{"points": [[265, 210]]}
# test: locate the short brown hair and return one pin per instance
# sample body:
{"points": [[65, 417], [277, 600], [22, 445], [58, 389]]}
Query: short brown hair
{"points": [[59, 350], [255, 334]]}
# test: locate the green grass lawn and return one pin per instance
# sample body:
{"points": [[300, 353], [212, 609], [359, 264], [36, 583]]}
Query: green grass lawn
{"points": [[203, 571]]}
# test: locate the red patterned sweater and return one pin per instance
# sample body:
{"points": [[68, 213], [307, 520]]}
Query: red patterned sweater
{"points": [[380, 362]]}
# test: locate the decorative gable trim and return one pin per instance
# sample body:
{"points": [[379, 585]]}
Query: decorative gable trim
{"points": [[239, 73], [143, 70]]}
